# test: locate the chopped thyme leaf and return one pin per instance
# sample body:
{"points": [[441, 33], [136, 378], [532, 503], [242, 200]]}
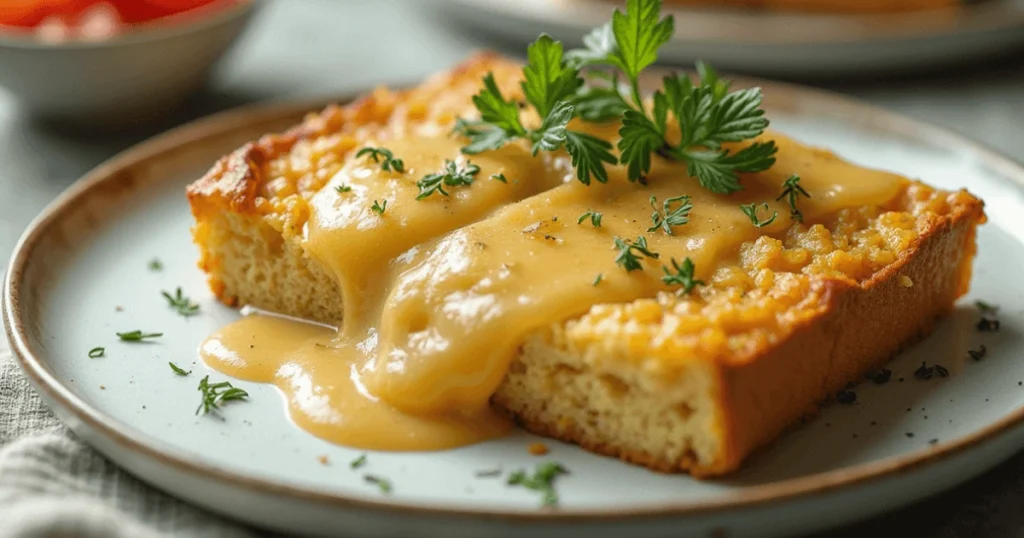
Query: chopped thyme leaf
{"points": [[978, 354], [925, 371], [499, 177], [156, 265], [451, 175], [180, 303], [97, 352], [178, 370], [594, 216], [387, 160], [880, 377], [791, 190], [137, 336], [379, 207], [214, 395], [343, 188], [986, 308], [597, 279], [358, 462], [750, 210], [683, 276], [383, 484], [941, 370], [626, 258], [542, 480], [669, 217]]}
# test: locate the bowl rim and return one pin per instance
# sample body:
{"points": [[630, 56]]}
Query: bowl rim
{"points": [[237, 9]]}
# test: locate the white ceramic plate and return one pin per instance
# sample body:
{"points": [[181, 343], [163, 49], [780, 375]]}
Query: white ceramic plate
{"points": [[776, 43], [88, 254]]}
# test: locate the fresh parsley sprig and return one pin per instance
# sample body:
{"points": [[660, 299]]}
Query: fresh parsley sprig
{"points": [[384, 156], [628, 253], [183, 305], [451, 175], [215, 394], [594, 216], [708, 114], [750, 210], [550, 84], [681, 275], [669, 217], [542, 480], [791, 191]]}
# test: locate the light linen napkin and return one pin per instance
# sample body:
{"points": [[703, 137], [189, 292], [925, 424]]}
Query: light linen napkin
{"points": [[53, 485]]}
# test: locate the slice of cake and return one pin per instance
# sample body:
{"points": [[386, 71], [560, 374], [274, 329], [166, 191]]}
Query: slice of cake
{"points": [[681, 340]]}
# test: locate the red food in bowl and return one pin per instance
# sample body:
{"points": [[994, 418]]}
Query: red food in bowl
{"points": [[95, 19]]}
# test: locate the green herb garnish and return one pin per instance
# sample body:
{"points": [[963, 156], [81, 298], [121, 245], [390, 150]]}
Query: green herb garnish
{"points": [[383, 484], [597, 279], [791, 191], [499, 177], [137, 336], [669, 217], [358, 462], [180, 303], [382, 155], [178, 370], [986, 308], [683, 276], [542, 480], [379, 207], [451, 175], [156, 265], [594, 216], [626, 258], [97, 352], [550, 82], [215, 394], [343, 188], [750, 210]]}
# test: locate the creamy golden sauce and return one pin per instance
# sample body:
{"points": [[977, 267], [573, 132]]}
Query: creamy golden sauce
{"points": [[439, 293]]}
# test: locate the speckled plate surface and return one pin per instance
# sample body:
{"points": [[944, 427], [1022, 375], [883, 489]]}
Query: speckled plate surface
{"points": [[775, 42], [81, 273]]}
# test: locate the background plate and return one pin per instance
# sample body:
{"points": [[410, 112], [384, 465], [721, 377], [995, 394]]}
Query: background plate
{"points": [[765, 42], [88, 254]]}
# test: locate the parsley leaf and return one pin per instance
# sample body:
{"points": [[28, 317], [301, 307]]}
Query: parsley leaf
{"points": [[379, 207], [215, 394], [598, 105], [594, 216], [383, 484], [387, 160], [547, 78], [628, 251], [499, 177], [451, 175], [97, 352], [137, 336], [178, 370], [358, 462], [552, 133], [183, 305], [496, 111], [717, 170], [791, 191], [750, 210], [669, 217], [589, 153], [640, 137], [342, 189], [599, 43], [542, 480], [683, 276], [638, 35]]}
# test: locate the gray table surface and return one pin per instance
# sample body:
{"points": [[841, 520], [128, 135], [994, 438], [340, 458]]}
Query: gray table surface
{"points": [[310, 48]]}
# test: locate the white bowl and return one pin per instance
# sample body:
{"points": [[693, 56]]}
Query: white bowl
{"points": [[132, 77]]}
